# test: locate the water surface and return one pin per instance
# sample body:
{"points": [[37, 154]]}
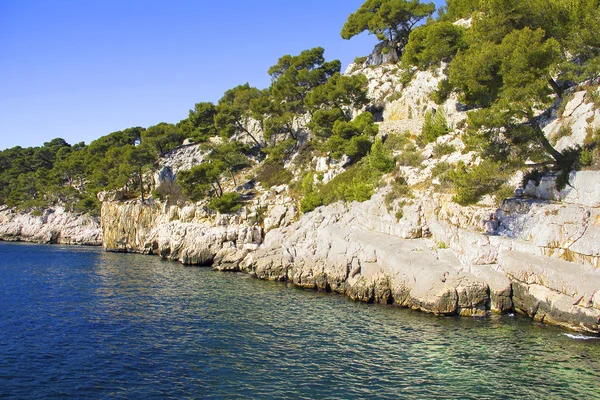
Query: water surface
{"points": [[81, 323]]}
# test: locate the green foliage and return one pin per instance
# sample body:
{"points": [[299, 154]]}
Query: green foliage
{"points": [[229, 202], [443, 91], [379, 158], [389, 20], [473, 183], [295, 76], [430, 44], [358, 147], [399, 189], [162, 138], [399, 141], [273, 174], [201, 180], [352, 138], [234, 113], [435, 125], [311, 198], [322, 121], [356, 183], [281, 151], [200, 123], [441, 172], [410, 157], [231, 156], [442, 149], [329, 101], [457, 9], [563, 131]]}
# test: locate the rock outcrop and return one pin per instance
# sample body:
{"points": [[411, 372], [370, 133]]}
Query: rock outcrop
{"points": [[186, 234], [536, 254], [53, 226]]}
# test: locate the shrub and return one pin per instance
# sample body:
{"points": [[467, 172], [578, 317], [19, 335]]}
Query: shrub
{"points": [[356, 183], [442, 149], [473, 183], [229, 202], [336, 146], [563, 131], [410, 157], [360, 60], [379, 158], [443, 91], [435, 125], [400, 189], [311, 197], [358, 147], [273, 174], [397, 141]]}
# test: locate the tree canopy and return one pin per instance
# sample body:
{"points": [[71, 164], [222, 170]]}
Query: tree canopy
{"points": [[389, 20]]}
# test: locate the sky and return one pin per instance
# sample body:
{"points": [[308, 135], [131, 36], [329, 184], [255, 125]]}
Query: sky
{"points": [[81, 69]]}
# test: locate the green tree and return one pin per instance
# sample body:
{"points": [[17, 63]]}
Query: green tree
{"points": [[234, 113], [457, 9], [139, 158], [389, 20], [201, 180], [433, 43], [334, 100], [231, 156], [293, 78], [518, 85], [200, 123], [162, 137]]}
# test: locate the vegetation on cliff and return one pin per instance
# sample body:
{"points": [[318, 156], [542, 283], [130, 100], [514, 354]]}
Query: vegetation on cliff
{"points": [[509, 64]]}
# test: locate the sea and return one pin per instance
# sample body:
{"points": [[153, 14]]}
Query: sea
{"points": [[82, 323]]}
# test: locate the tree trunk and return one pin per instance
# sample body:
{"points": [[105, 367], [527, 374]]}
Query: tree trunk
{"points": [[220, 188], [233, 177], [249, 134], [555, 87], [141, 185], [556, 155]]}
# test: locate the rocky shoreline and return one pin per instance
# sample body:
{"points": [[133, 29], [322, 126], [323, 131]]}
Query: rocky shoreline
{"points": [[360, 250], [432, 260], [52, 226]]}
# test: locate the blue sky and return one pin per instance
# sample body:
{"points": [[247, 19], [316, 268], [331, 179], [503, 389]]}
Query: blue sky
{"points": [[80, 69]]}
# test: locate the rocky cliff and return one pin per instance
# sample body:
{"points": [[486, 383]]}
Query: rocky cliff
{"points": [[53, 225], [536, 254]]}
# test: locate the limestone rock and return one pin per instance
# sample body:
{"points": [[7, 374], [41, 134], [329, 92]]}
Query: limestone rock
{"points": [[55, 225]]}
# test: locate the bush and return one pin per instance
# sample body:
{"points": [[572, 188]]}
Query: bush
{"points": [[473, 183], [400, 189], [228, 203], [442, 149], [397, 141], [273, 174], [358, 147], [379, 158], [586, 158], [311, 197], [410, 157], [443, 91], [435, 125], [356, 183]]}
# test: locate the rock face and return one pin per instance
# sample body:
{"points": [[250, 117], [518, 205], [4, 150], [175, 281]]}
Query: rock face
{"points": [[184, 234], [55, 225], [362, 252], [532, 255]]}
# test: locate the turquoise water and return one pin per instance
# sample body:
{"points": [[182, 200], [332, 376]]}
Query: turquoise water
{"points": [[82, 323]]}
